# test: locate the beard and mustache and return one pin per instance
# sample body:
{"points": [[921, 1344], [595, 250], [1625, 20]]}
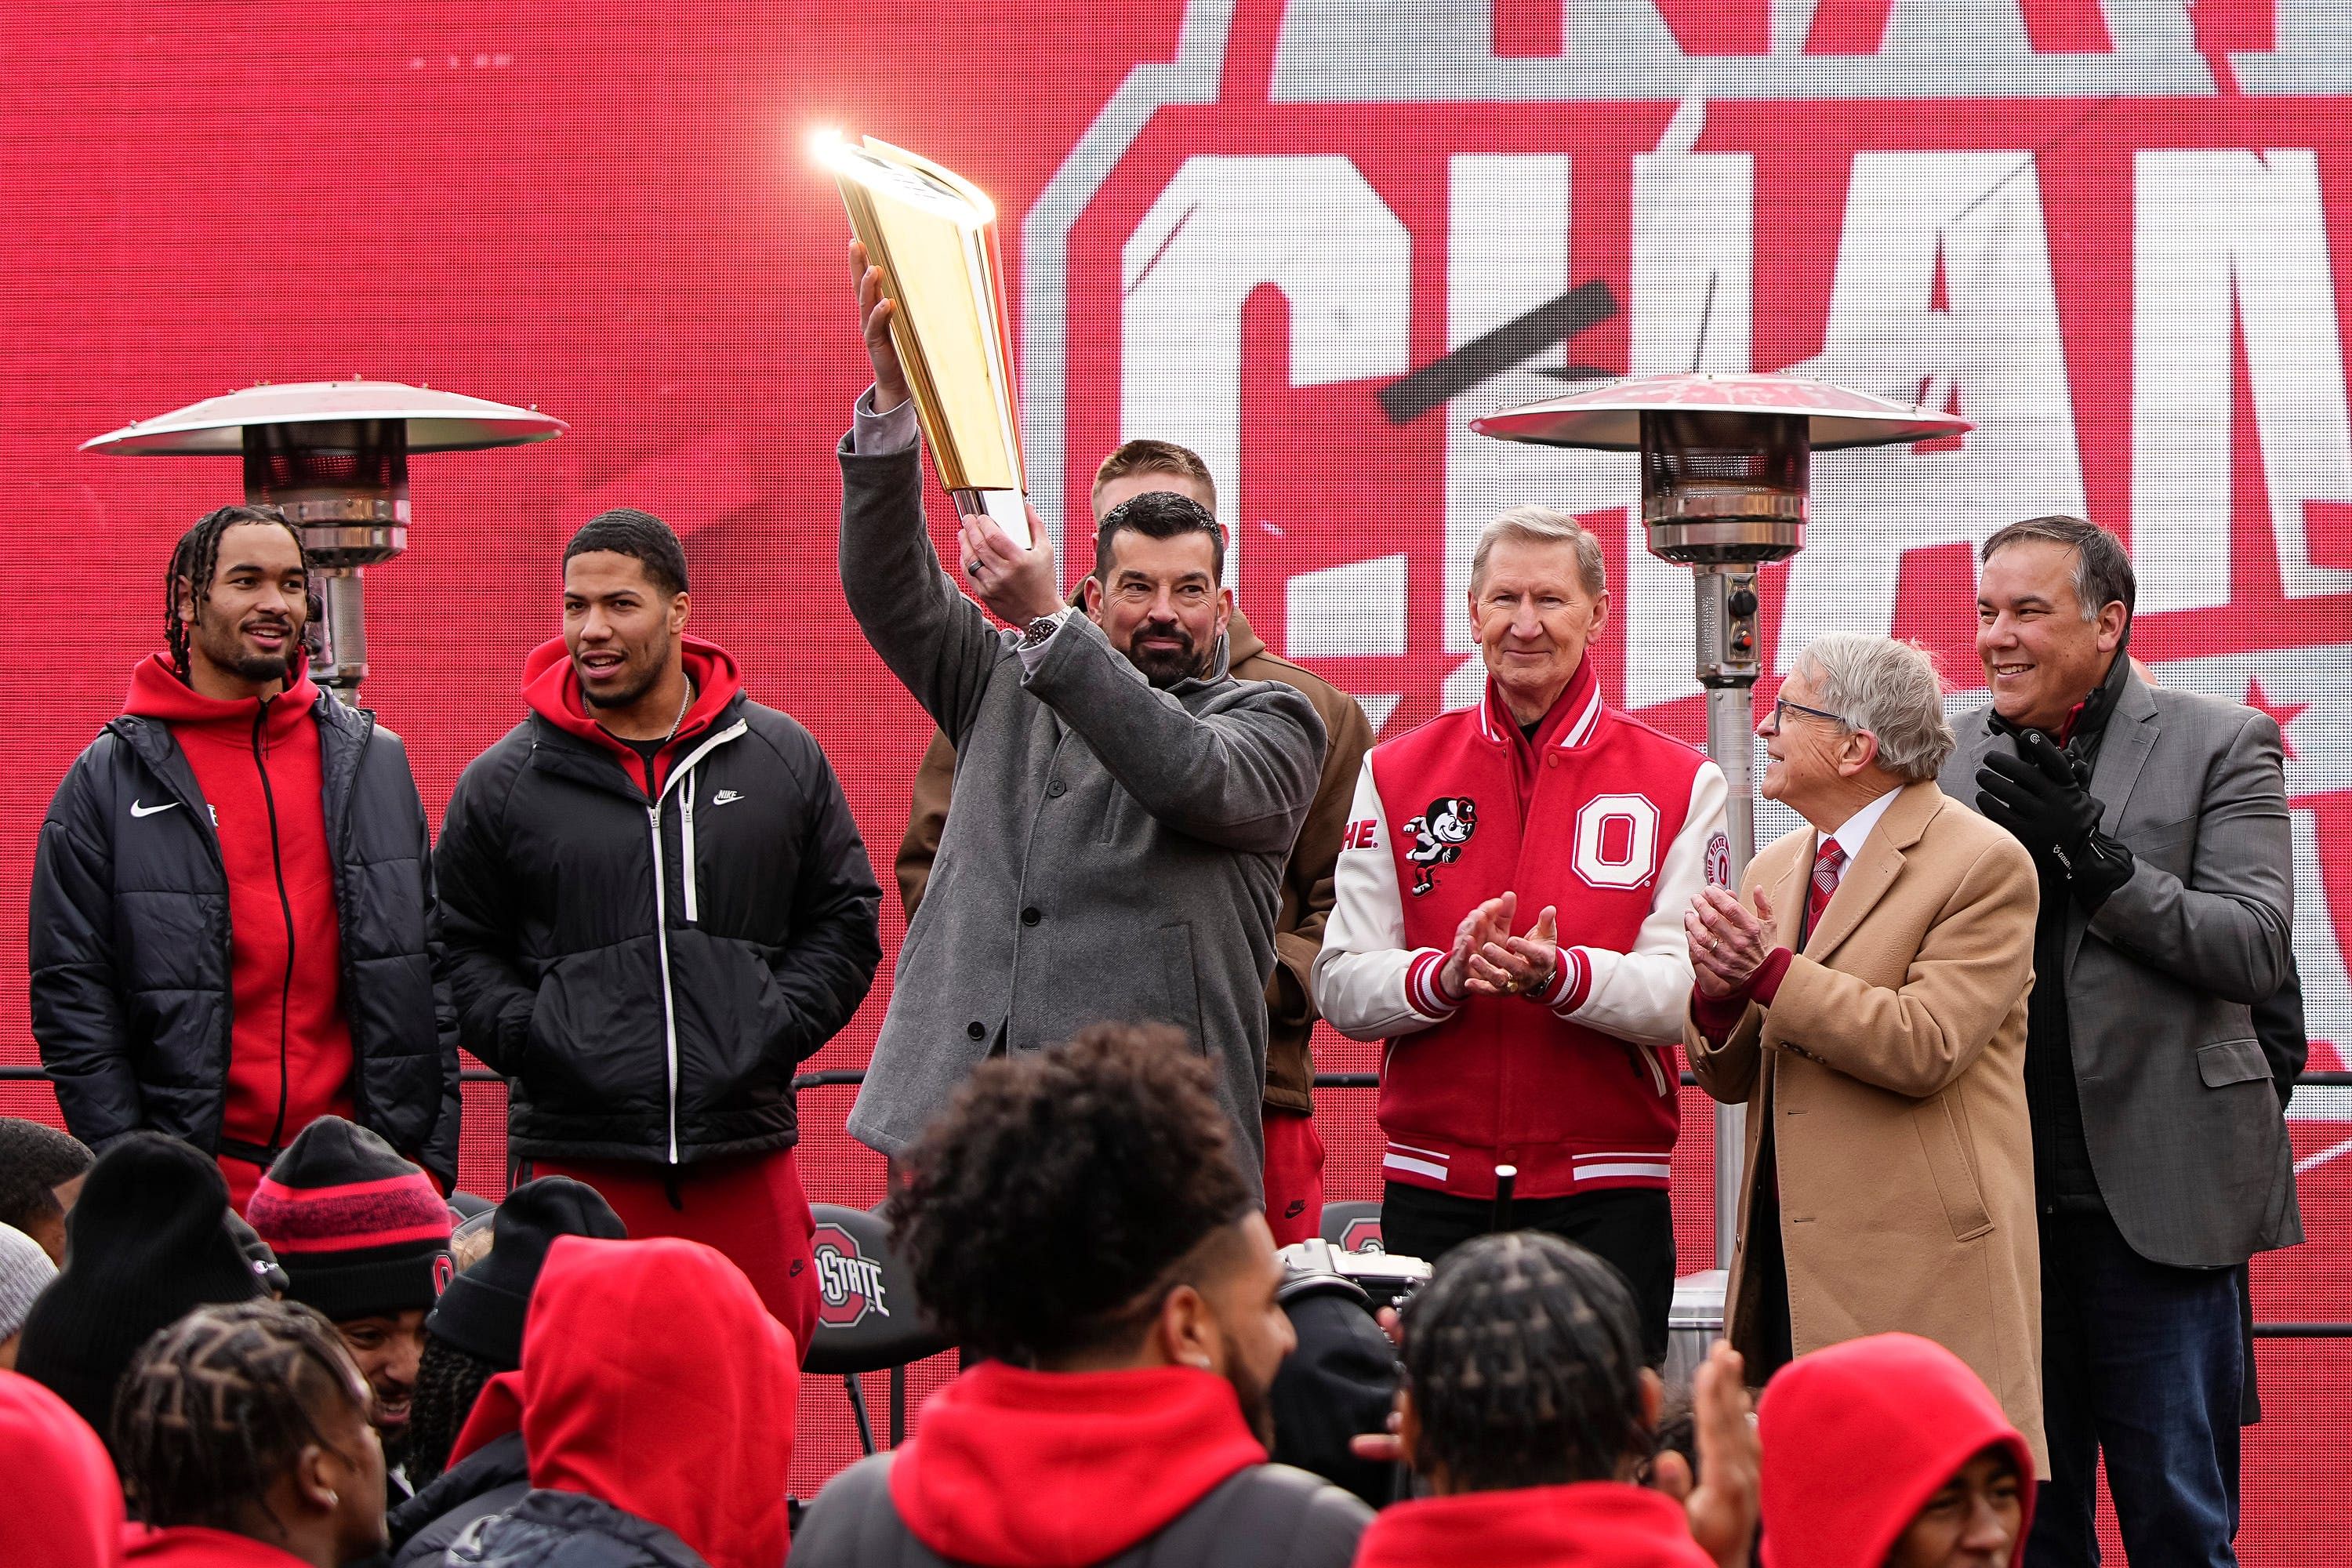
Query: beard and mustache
{"points": [[1164, 667]]}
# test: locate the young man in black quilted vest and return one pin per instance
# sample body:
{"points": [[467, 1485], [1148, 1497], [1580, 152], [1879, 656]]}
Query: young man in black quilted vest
{"points": [[1078, 1217]]}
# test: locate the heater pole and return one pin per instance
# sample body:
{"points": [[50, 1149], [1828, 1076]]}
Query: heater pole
{"points": [[1727, 667]]}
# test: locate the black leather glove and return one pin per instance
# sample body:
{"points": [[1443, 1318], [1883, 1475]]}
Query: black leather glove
{"points": [[2041, 796]]}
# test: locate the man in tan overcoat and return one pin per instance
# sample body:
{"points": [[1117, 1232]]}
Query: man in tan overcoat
{"points": [[1865, 997]]}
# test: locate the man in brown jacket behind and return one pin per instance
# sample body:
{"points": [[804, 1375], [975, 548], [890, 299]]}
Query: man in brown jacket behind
{"points": [[1865, 997], [1294, 1151]]}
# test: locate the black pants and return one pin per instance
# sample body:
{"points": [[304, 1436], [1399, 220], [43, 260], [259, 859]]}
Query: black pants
{"points": [[1632, 1229]]}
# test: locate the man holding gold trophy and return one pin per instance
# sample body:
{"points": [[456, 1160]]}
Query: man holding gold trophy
{"points": [[1123, 807]]}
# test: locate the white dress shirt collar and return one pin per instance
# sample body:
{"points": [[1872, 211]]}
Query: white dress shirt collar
{"points": [[1854, 831]]}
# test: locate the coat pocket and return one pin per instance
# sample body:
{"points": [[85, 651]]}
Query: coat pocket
{"points": [[2232, 1062], [1948, 1165]]}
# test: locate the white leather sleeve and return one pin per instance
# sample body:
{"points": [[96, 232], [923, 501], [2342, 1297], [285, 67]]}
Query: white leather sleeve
{"points": [[1642, 995], [1368, 985]]}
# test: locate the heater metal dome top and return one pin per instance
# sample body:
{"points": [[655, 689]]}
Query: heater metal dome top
{"points": [[1610, 417], [436, 421]]}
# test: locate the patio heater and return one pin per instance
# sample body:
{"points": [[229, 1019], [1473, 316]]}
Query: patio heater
{"points": [[1725, 460], [333, 455]]}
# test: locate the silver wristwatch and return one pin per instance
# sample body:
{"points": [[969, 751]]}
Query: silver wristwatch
{"points": [[1040, 630]]}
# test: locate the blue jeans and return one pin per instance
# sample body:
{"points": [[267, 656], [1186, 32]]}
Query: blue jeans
{"points": [[2146, 1363]]}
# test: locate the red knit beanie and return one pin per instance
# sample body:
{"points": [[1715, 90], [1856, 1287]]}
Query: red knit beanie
{"points": [[359, 1230]]}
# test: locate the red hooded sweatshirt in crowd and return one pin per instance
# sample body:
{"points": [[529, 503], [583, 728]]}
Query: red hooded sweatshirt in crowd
{"points": [[194, 1546], [64, 1508], [552, 687], [653, 1380], [1589, 1524], [257, 764], [1858, 1437], [1055, 1469]]}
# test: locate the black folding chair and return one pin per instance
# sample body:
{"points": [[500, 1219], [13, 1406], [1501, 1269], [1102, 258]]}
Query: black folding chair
{"points": [[1353, 1225], [867, 1318]]}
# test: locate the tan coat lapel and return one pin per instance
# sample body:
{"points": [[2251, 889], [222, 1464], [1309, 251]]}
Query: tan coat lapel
{"points": [[1875, 869]]}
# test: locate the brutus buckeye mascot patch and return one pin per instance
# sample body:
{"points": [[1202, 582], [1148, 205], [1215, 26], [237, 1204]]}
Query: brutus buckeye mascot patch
{"points": [[1438, 834]]}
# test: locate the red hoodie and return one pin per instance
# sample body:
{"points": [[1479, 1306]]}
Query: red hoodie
{"points": [[290, 1059], [194, 1546], [552, 687], [653, 1380], [1857, 1437], [1055, 1469], [1590, 1524], [64, 1508]]}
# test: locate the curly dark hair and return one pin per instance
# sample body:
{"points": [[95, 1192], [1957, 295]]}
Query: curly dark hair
{"points": [[214, 1406], [448, 1381], [195, 562], [36, 1159], [1041, 1209], [1524, 1356]]}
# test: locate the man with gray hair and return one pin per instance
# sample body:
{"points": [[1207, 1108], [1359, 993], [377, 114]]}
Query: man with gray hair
{"points": [[1508, 918], [2157, 821], [1865, 997]]}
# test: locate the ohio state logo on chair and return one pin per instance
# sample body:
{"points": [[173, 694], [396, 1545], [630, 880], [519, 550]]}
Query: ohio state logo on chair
{"points": [[849, 1284]]}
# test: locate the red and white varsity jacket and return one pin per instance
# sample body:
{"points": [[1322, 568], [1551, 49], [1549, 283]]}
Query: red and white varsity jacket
{"points": [[1615, 826]]}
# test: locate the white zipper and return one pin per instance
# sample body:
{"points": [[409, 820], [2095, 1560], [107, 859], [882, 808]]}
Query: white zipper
{"points": [[685, 847], [661, 907]]}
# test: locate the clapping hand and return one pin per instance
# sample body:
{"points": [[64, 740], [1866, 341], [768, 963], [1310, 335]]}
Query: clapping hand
{"points": [[1727, 945], [1725, 1504], [1487, 958]]}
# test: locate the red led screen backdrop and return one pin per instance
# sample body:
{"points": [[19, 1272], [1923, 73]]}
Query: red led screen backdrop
{"points": [[1312, 241]]}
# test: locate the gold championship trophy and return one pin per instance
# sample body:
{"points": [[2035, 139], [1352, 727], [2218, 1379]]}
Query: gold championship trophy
{"points": [[933, 235]]}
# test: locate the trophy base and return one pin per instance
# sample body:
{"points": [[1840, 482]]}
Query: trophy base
{"points": [[1007, 508]]}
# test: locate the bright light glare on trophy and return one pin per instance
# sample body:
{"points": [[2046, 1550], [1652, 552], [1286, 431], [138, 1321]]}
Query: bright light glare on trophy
{"points": [[933, 235]]}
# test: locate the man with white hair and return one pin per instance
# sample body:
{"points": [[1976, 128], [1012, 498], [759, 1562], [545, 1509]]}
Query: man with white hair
{"points": [[1865, 997], [1509, 893]]}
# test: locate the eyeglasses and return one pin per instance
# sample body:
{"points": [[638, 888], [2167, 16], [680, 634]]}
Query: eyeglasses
{"points": [[1782, 708]]}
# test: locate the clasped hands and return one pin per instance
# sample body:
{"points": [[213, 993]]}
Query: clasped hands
{"points": [[1016, 585], [1728, 942], [1488, 960]]}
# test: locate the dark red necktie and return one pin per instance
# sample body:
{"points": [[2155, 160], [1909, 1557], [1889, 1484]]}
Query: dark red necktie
{"points": [[1827, 864]]}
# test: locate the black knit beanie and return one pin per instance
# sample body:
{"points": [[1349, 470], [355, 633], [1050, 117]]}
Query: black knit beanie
{"points": [[359, 1230], [147, 1244], [482, 1311]]}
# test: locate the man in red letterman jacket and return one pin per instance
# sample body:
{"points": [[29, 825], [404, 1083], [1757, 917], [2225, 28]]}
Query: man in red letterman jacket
{"points": [[1511, 889]]}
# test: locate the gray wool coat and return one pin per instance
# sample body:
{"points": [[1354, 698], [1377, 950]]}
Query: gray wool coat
{"points": [[1114, 852]]}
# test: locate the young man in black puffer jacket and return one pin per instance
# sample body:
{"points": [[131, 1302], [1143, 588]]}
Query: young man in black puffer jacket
{"points": [[1078, 1217], [232, 928], [657, 906]]}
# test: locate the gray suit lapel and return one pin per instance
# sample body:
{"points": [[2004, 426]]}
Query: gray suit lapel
{"points": [[2131, 735]]}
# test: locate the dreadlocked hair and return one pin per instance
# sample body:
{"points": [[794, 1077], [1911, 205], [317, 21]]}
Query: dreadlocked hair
{"points": [[194, 561], [1061, 1188], [216, 1407], [448, 1381], [1524, 1357]]}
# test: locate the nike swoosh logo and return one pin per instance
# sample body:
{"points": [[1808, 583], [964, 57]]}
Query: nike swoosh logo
{"points": [[725, 798], [139, 810]]}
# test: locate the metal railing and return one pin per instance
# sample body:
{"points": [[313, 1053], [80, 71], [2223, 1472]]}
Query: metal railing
{"points": [[841, 1077]]}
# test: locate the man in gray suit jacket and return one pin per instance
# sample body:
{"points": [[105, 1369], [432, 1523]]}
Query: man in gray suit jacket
{"points": [[2158, 821], [1123, 807]]}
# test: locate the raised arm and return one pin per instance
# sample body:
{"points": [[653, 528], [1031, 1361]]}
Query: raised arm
{"points": [[1242, 776], [936, 641]]}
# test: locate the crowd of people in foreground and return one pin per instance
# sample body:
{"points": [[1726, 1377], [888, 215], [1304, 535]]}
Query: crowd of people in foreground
{"points": [[190, 1392]]}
